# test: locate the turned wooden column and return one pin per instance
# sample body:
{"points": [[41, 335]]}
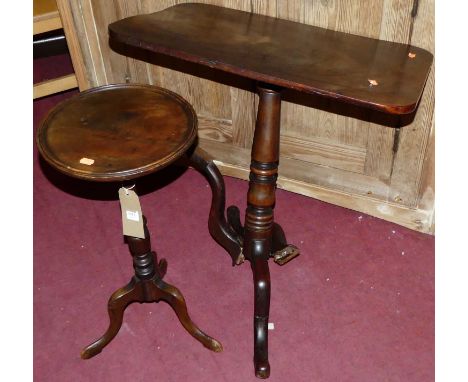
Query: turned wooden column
{"points": [[258, 226], [121, 133]]}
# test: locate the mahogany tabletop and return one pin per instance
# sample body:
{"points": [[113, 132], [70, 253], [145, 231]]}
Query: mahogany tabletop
{"points": [[117, 132], [371, 73]]}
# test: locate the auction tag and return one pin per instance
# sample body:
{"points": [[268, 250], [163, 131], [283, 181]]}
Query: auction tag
{"points": [[132, 218]]}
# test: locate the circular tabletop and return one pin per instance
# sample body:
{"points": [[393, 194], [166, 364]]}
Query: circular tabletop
{"points": [[117, 132]]}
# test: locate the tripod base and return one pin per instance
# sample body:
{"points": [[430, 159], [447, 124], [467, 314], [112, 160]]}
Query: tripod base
{"points": [[146, 286]]}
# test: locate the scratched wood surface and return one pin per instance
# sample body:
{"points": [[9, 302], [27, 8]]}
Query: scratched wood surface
{"points": [[348, 161], [335, 67]]}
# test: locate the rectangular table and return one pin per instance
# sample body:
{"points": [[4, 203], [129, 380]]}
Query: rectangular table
{"points": [[278, 54]]}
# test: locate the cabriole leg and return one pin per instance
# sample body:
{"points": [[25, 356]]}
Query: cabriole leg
{"points": [[147, 286]]}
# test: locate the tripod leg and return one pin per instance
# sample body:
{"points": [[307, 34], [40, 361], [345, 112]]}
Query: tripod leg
{"points": [[233, 218], [282, 252], [174, 298], [219, 228], [261, 275], [116, 306]]}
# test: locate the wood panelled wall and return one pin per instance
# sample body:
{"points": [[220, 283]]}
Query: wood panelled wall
{"points": [[385, 172]]}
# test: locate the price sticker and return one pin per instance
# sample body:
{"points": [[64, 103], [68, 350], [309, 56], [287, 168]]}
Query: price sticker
{"points": [[132, 217]]}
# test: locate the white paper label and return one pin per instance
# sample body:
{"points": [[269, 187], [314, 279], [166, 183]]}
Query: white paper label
{"points": [[133, 215], [87, 161]]}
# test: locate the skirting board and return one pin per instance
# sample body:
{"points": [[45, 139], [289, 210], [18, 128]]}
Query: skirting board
{"points": [[415, 219]]}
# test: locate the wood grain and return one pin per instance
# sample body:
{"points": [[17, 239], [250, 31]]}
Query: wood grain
{"points": [[117, 132], [264, 7], [333, 65], [325, 153], [47, 23], [115, 67], [44, 7], [402, 179], [78, 53], [156, 73], [243, 117], [415, 219], [55, 85], [413, 145]]}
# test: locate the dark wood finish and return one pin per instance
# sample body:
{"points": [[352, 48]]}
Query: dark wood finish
{"points": [[288, 54], [258, 227], [218, 226], [261, 238], [146, 286], [128, 130], [131, 131], [277, 54]]}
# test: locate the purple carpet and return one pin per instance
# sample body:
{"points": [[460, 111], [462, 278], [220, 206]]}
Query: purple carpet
{"points": [[357, 305]]}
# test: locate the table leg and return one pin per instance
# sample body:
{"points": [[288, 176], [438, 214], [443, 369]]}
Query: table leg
{"points": [[146, 286], [260, 238], [258, 227], [218, 226]]}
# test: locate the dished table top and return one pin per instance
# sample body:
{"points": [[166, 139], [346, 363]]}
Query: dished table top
{"points": [[371, 73], [117, 132]]}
